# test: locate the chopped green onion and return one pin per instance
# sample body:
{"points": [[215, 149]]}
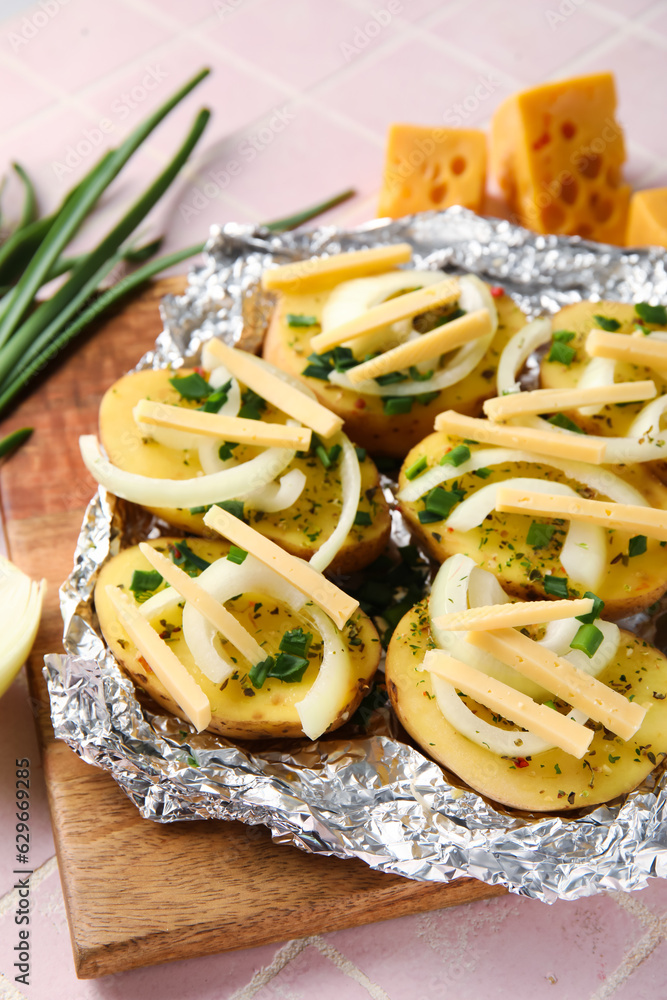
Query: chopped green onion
{"points": [[651, 314], [457, 456], [260, 671], [390, 378], [316, 371], [225, 450], [236, 555], [637, 545], [483, 473], [555, 585], [439, 502], [361, 453], [561, 352], [145, 581], [192, 387], [183, 556], [393, 405], [563, 336], [607, 323], [598, 605], [292, 221], [217, 399], [296, 642], [362, 519], [416, 468], [560, 420], [285, 667], [299, 319], [253, 405], [233, 507], [587, 639], [418, 376], [427, 397], [539, 535]]}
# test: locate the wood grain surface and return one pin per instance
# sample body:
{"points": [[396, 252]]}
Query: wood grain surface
{"points": [[138, 893]]}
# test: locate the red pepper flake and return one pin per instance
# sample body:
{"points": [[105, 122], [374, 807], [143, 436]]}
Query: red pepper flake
{"points": [[497, 291], [177, 553], [360, 404], [450, 529], [200, 370], [521, 762]]}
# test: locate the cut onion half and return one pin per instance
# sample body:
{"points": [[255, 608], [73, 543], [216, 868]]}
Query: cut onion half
{"points": [[21, 601]]}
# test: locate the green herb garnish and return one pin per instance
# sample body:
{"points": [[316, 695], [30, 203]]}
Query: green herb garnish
{"points": [[607, 323], [539, 535], [296, 642], [233, 507], [144, 582], [555, 585], [392, 405], [362, 519], [637, 546], [253, 405], [192, 387], [598, 605], [416, 468], [236, 555], [561, 352], [225, 450], [183, 556], [457, 456], [560, 420], [651, 314], [286, 668], [299, 319], [587, 639]]}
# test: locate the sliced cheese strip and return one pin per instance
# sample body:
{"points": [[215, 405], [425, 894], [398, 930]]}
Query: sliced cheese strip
{"points": [[337, 604], [554, 400], [576, 687], [303, 274], [162, 660], [575, 446], [637, 350], [513, 705], [277, 392], [402, 307], [495, 616], [257, 432], [214, 612], [623, 516], [429, 346]]}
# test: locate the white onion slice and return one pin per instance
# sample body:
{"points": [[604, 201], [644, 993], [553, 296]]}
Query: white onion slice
{"points": [[320, 706], [559, 634], [647, 421], [183, 493], [278, 495], [351, 489], [161, 603], [21, 601], [598, 371], [181, 440], [584, 553], [517, 351], [223, 580], [595, 477]]}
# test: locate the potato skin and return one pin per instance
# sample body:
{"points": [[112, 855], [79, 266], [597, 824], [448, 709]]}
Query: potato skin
{"points": [[365, 422], [129, 450], [270, 712], [625, 589], [549, 782], [611, 421]]}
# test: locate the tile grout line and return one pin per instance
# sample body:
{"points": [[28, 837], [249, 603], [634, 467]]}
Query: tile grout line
{"points": [[656, 932], [266, 973], [349, 968], [8, 991], [39, 874]]}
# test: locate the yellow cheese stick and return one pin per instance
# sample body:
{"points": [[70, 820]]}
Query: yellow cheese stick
{"points": [[215, 425], [517, 404], [622, 516], [495, 616], [637, 350], [402, 307], [214, 612], [575, 447], [162, 660], [337, 604], [425, 348], [576, 687], [570, 736], [275, 390], [306, 274]]}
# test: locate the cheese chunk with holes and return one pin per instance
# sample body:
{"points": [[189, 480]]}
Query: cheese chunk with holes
{"points": [[557, 152], [432, 168], [647, 222]]}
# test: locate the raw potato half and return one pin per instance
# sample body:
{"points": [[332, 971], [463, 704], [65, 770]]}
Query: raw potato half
{"points": [[300, 529], [266, 712], [365, 421], [553, 781], [499, 544]]}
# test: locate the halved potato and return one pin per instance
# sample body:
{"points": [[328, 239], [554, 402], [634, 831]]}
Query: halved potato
{"points": [[553, 781], [365, 421], [300, 529], [500, 544], [579, 318], [239, 710]]}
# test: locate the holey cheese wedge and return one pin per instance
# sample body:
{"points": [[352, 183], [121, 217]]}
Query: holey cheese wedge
{"points": [[451, 493], [530, 721], [637, 430], [177, 443], [281, 668], [388, 352]]}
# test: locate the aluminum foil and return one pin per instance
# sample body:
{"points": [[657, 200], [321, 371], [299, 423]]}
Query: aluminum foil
{"points": [[366, 796]]}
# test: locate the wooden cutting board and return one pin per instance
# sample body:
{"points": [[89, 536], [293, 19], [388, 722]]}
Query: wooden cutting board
{"points": [[138, 893]]}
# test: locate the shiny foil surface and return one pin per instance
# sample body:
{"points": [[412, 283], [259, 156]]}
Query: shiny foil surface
{"points": [[372, 797]]}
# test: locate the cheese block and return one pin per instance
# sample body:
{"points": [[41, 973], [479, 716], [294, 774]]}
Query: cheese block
{"points": [[636, 350], [162, 661], [577, 688], [549, 782], [405, 306], [240, 429], [428, 347], [526, 438], [432, 168], [619, 516], [570, 736], [557, 153], [318, 272], [514, 615], [337, 604], [556, 400], [647, 222]]}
